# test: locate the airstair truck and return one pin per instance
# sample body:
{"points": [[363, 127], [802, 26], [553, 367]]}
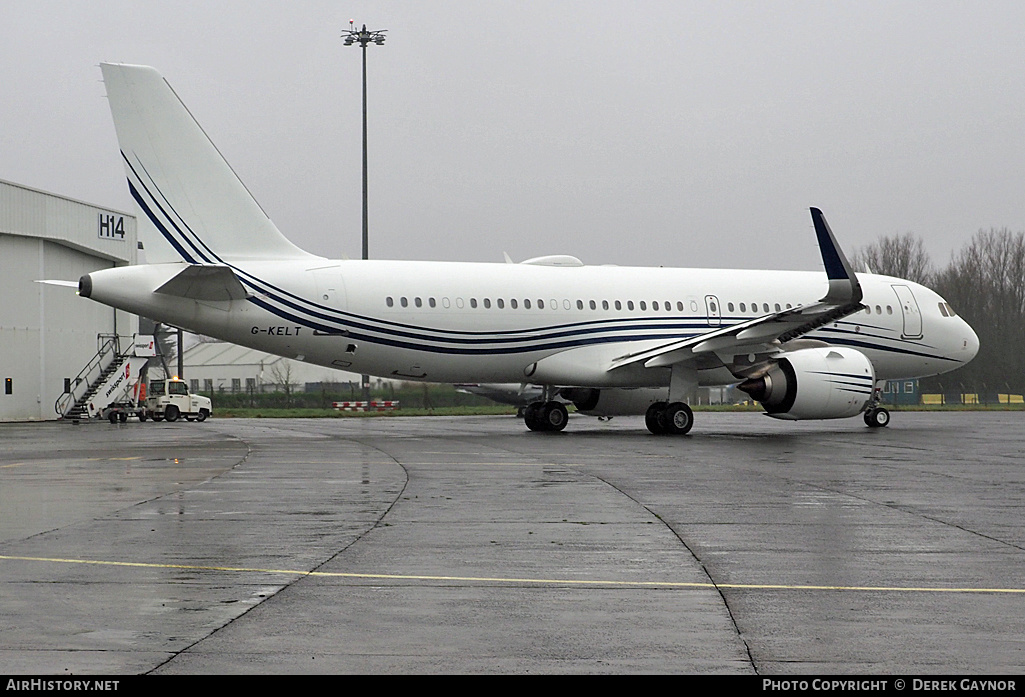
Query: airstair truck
{"points": [[118, 397]]}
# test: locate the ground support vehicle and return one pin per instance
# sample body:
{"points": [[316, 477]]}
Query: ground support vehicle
{"points": [[170, 399]]}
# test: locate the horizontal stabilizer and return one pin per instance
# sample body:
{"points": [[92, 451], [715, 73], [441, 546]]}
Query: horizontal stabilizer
{"points": [[211, 283]]}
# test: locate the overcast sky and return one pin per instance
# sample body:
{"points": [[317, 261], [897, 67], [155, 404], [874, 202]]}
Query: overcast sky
{"points": [[643, 133]]}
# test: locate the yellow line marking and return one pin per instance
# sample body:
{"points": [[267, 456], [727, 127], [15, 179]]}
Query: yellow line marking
{"points": [[13, 464], [536, 581]]}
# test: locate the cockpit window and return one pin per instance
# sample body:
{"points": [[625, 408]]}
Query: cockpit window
{"points": [[946, 310]]}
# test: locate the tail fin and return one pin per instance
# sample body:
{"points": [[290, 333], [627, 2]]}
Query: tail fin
{"points": [[194, 207]]}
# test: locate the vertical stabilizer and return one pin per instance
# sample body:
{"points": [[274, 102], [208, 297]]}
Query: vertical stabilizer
{"points": [[193, 207]]}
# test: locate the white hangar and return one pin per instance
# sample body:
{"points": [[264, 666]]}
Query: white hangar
{"points": [[47, 333]]}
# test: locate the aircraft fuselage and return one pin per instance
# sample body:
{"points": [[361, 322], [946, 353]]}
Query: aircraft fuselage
{"points": [[453, 322]]}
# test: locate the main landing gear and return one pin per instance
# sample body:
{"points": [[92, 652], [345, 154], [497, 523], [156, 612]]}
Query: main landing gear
{"points": [[546, 416], [674, 418]]}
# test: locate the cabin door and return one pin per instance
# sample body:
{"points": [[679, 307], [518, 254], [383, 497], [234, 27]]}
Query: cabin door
{"points": [[909, 308]]}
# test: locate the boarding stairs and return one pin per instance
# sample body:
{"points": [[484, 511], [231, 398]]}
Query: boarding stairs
{"points": [[110, 376]]}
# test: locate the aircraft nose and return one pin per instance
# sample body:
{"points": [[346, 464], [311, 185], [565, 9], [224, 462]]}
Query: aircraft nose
{"points": [[969, 343]]}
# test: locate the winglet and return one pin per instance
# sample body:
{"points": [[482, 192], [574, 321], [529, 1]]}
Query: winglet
{"points": [[844, 287]]}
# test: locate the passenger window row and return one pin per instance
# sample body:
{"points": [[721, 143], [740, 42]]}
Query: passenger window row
{"points": [[655, 305], [619, 305], [765, 307], [541, 304]]}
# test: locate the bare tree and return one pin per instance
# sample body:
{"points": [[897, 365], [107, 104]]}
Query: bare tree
{"points": [[903, 256], [985, 283], [281, 372]]}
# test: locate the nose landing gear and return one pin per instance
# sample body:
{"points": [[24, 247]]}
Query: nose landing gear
{"points": [[876, 417]]}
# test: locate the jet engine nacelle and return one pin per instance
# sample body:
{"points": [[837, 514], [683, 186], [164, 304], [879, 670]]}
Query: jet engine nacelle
{"points": [[614, 401], [815, 383]]}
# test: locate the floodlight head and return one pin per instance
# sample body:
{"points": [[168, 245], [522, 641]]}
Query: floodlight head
{"points": [[362, 36]]}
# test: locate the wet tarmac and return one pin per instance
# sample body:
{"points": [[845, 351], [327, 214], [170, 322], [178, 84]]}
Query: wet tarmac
{"points": [[470, 545]]}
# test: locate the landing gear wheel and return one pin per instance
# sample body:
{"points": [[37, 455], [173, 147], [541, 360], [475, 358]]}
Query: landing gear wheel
{"points": [[554, 416], [877, 417], [532, 416], [546, 416], [678, 418], [654, 418], [171, 413]]}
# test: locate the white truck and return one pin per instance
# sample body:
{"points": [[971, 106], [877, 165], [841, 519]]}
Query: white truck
{"points": [[171, 399]]}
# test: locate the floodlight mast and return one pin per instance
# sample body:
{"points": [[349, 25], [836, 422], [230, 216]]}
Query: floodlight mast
{"points": [[364, 37]]}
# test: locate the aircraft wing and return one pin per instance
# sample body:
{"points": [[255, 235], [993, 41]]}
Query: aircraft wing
{"points": [[744, 347], [758, 336]]}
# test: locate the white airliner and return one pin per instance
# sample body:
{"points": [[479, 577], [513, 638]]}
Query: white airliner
{"points": [[613, 340]]}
